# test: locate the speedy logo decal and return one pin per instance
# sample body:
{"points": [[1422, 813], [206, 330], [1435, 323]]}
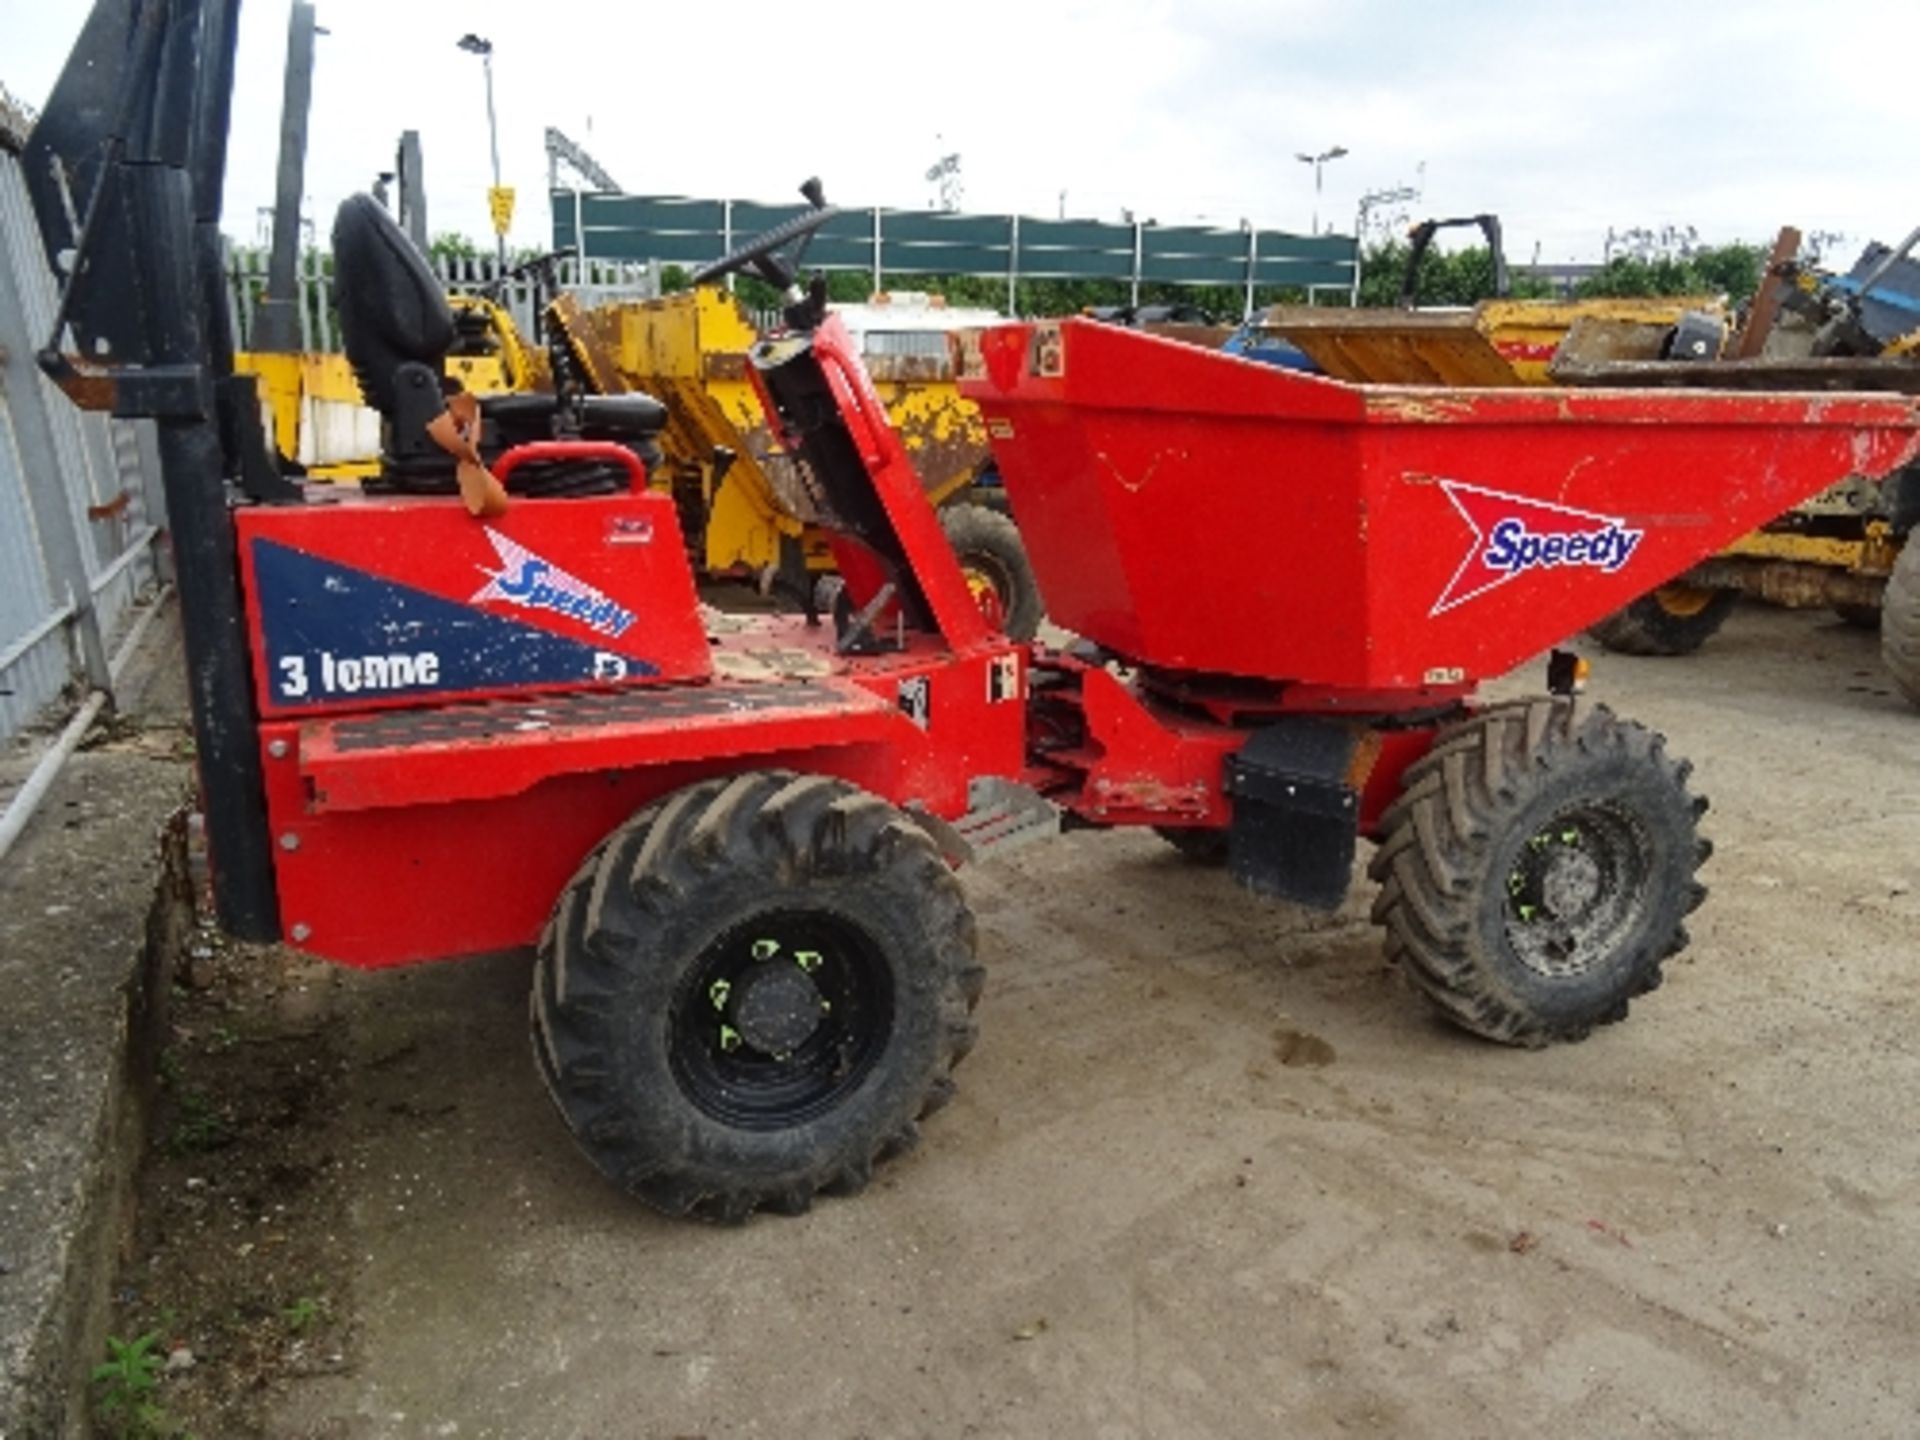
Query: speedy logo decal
{"points": [[1512, 534], [532, 583], [333, 632]]}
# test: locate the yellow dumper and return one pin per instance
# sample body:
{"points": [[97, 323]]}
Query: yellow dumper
{"points": [[1495, 343]]}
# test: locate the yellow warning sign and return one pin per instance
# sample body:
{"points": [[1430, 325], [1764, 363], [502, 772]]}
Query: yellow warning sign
{"points": [[500, 202]]}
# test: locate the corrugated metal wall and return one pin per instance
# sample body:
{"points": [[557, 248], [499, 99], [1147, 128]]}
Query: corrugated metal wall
{"points": [[107, 481]]}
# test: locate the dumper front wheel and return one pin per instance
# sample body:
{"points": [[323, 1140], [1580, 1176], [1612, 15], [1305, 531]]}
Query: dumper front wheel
{"points": [[1900, 622], [1673, 620], [1538, 868], [753, 991], [994, 559]]}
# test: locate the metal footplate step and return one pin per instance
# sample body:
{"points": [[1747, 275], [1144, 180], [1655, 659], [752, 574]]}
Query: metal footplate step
{"points": [[1002, 816], [485, 751]]}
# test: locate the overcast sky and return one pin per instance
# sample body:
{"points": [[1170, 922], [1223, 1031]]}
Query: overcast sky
{"points": [[1565, 118]]}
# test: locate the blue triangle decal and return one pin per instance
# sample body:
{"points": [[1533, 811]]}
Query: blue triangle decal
{"points": [[334, 633]]}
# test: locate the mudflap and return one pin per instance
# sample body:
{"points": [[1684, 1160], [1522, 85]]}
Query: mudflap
{"points": [[1295, 811]]}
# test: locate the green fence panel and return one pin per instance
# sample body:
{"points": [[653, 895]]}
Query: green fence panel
{"points": [[941, 259], [1331, 249], [690, 231], [1075, 249], [1075, 265], [844, 243], [917, 227], [1301, 274], [668, 214], [1038, 234], [1193, 270], [1185, 255], [1187, 242], [688, 250]]}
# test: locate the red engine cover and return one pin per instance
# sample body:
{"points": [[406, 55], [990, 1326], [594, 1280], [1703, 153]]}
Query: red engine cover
{"points": [[377, 603]]}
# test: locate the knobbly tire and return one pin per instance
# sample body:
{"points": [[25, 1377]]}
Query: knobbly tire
{"points": [[1900, 622], [991, 552], [1538, 868], [1673, 620], [752, 991]]}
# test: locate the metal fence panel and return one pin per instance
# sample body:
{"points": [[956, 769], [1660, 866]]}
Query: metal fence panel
{"points": [[103, 478], [36, 670], [126, 566], [592, 282]]}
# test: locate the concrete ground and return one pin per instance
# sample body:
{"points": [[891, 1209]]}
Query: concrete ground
{"points": [[1214, 1172]]}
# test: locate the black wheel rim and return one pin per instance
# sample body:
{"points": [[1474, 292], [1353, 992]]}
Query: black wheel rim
{"points": [[1576, 889], [780, 1019]]}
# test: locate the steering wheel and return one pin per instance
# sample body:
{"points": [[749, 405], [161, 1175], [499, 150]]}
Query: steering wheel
{"points": [[761, 253], [541, 267]]}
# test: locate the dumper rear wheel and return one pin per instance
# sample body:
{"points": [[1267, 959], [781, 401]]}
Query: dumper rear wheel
{"points": [[1538, 868], [1900, 622], [994, 560], [752, 991], [1673, 620]]}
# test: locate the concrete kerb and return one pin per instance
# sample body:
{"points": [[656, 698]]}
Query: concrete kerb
{"points": [[96, 904]]}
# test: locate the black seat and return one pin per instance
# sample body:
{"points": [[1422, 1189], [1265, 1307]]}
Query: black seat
{"points": [[518, 411], [625, 417], [393, 311], [397, 329]]}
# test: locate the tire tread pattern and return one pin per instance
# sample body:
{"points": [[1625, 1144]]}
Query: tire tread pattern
{"points": [[973, 529], [784, 826], [1440, 833], [1900, 622]]}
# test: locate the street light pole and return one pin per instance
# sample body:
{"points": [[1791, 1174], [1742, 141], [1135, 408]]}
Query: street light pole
{"points": [[1319, 162], [475, 45]]}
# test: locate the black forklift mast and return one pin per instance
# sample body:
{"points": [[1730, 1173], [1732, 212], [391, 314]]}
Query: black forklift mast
{"points": [[126, 169]]}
